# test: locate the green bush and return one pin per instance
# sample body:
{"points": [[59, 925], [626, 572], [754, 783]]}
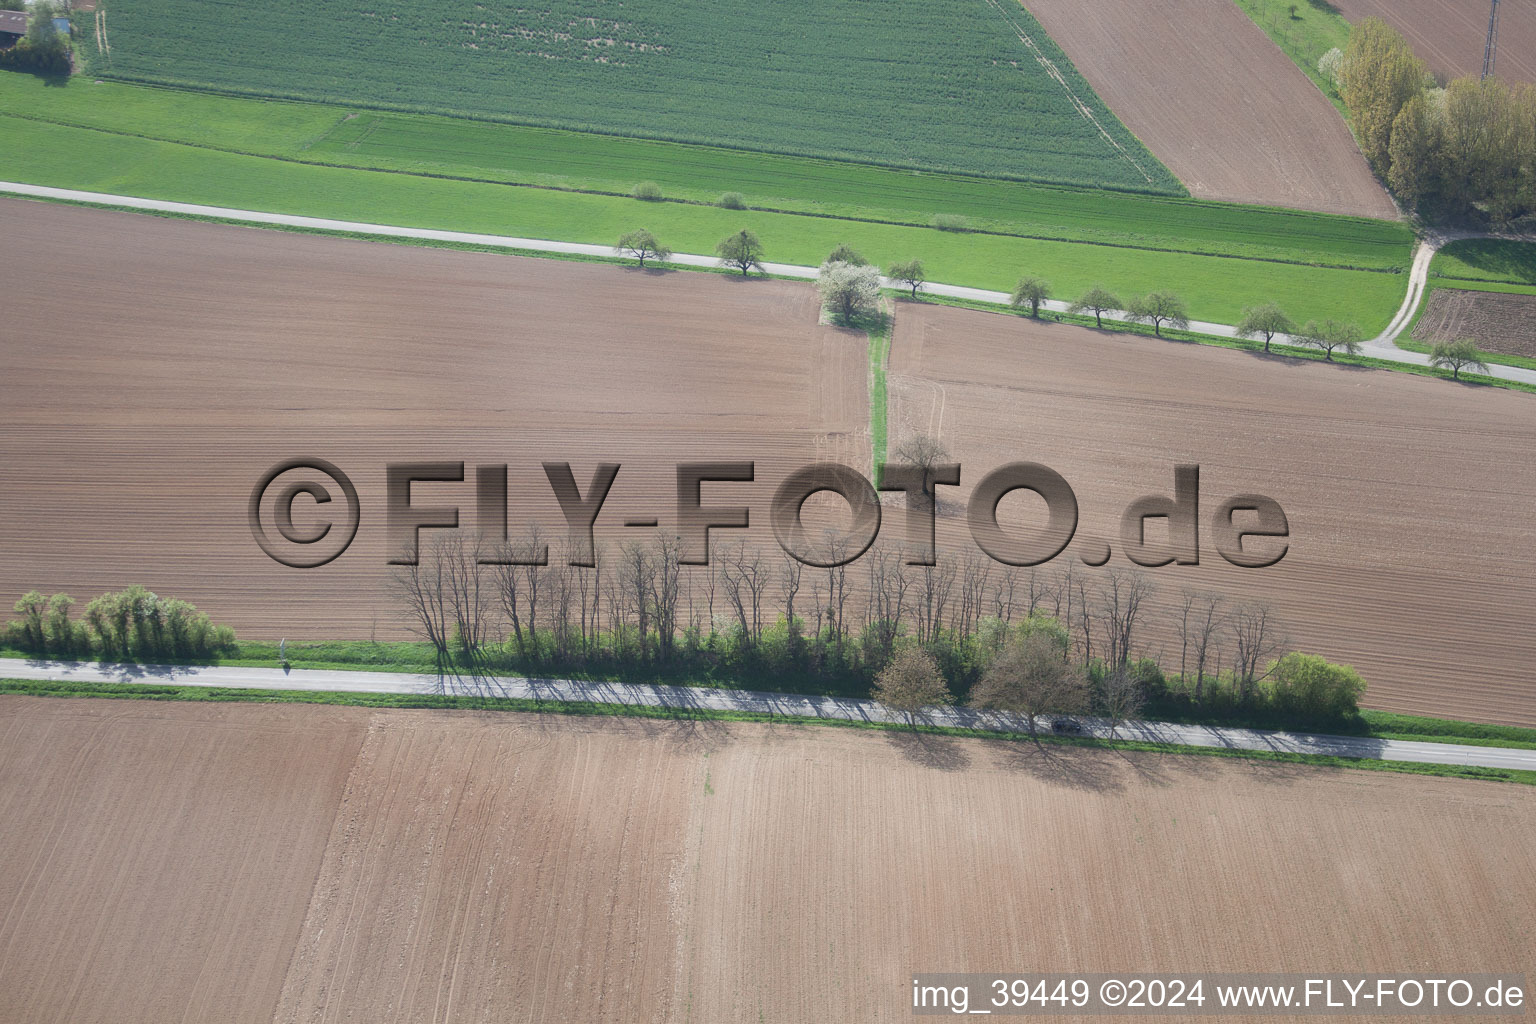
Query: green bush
{"points": [[1306, 685], [648, 191], [49, 58], [130, 625], [950, 222], [733, 201]]}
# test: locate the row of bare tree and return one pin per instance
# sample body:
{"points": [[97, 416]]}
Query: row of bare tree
{"points": [[639, 607]]}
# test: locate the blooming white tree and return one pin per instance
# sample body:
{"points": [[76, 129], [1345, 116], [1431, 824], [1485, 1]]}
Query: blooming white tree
{"points": [[1328, 65], [848, 290]]}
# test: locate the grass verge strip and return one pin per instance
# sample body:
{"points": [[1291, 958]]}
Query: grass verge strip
{"points": [[1215, 288]]}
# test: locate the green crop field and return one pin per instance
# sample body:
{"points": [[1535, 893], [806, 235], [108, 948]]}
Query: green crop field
{"points": [[1487, 264], [1216, 288], [969, 85], [453, 147]]}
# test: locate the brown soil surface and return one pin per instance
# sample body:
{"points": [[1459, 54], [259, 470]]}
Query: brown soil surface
{"points": [[1497, 321], [511, 868], [1208, 92], [502, 868], [183, 360], [1409, 498], [1452, 34], [159, 858]]}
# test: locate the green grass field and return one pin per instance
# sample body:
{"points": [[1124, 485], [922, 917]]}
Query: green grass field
{"points": [[968, 85], [1314, 29], [1487, 264], [453, 147], [1215, 288]]}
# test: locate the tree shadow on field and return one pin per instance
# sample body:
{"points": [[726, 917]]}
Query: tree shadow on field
{"points": [[1281, 359], [1085, 768], [929, 750]]}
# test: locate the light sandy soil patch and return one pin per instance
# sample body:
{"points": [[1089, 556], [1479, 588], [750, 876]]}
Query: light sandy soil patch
{"points": [[510, 868], [1498, 322], [159, 858], [1208, 92], [1409, 498], [1452, 34], [177, 361]]}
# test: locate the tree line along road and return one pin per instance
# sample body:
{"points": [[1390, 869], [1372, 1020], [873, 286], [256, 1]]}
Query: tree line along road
{"points": [[1381, 347]]}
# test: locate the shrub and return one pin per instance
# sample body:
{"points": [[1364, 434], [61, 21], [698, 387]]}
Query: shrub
{"points": [[132, 624], [733, 201], [950, 222], [847, 254], [49, 59], [29, 628], [1309, 686], [648, 191]]}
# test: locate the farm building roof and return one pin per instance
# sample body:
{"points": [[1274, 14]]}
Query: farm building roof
{"points": [[13, 22]]}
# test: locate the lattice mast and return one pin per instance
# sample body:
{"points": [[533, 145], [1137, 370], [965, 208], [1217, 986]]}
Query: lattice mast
{"points": [[1491, 51]]}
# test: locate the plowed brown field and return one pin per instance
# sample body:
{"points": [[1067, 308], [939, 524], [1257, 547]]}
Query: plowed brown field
{"points": [[1207, 91], [159, 859], [171, 862], [1451, 34], [1498, 322], [177, 362], [1409, 499]]}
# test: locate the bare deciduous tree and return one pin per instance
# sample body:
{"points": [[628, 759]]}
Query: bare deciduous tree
{"points": [[1209, 624], [888, 585], [922, 451], [423, 588], [1031, 677], [1120, 697], [1257, 640], [1121, 598]]}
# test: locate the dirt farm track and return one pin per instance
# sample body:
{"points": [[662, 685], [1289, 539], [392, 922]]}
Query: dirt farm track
{"points": [[283, 864], [178, 361]]}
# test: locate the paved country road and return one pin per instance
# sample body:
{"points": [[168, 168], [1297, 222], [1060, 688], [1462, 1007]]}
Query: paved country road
{"points": [[1381, 347], [696, 698]]}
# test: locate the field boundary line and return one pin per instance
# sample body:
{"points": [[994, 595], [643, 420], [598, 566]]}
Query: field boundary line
{"points": [[1375, 348]]}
